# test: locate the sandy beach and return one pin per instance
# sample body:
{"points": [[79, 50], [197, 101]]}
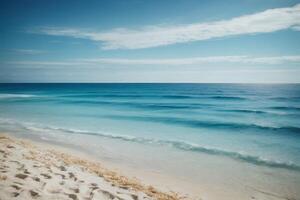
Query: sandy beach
{"points": [[30, 171]]}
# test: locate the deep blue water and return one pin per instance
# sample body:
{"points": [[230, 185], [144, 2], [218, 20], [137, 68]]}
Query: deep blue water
{"points": [[252, 123]]}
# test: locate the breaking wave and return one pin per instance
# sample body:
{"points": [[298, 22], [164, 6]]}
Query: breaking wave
{"points": [[182, 145]]}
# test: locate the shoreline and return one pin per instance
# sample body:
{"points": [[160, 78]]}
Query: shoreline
{"points": [[164, 181], [235, 180], [20, 156]]}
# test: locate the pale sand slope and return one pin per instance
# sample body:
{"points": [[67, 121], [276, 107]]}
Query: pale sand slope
{"points": [[29, 172]]}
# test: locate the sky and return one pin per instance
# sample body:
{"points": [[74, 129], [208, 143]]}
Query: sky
{"points": [[201, 41]]}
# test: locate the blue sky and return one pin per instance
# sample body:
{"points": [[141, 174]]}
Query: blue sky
{"points": [[150, 41]]}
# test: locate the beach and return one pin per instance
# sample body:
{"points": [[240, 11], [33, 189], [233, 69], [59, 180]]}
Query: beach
{"points": [[200, 141], [30, 171], [33, 168]]}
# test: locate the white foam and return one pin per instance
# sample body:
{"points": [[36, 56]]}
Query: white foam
{"points": [[7, 96]]}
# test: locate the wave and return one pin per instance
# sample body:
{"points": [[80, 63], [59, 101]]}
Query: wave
{"points": [[293, 98], [218, 97], [234, 155], [246, 111], [163, 106], [227, 98], [140, 105], [160, 96], [286, 108], [170, 106], [207, 124], [181, 145], [9, 96], [181, 96], [104, 95], [129, 96]]}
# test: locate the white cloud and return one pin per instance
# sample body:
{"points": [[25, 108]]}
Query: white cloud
{"points": [[45, 63], [198, 60], [151, 36], [170, 62], [28, 51]]}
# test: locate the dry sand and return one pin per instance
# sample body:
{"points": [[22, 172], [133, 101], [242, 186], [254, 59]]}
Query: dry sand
{"points": [[30, 172]]}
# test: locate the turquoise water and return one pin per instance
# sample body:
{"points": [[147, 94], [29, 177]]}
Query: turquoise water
{"points": [[250, 123]]}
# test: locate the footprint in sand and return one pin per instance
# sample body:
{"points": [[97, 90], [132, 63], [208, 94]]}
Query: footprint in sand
{"points": [[134, 197], [10, 147], [37, 179], [16, 187], [33, 193], [71, 175], [76, 190], [21, 176], [26, 171], [36, 166], [62, 168], [46, 176], [15, 194], [108, 194]]}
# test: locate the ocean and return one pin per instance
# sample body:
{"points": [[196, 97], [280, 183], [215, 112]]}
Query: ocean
{"points": [[198, 134]]}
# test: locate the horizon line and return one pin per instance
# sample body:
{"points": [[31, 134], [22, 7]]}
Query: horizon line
{"points": [[266, 83]]}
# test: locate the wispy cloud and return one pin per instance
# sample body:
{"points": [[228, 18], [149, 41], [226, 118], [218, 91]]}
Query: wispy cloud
{"points": [[274, 60], [28, 51], [198, 60], [151, 36], [46, 63]]}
